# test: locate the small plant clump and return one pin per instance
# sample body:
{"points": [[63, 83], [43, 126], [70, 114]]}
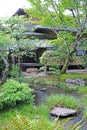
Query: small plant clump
{"points": [[62, 100], [15, 71], [13, 93]]}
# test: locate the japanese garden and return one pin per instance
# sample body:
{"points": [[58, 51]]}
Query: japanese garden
{"points": [[43, 67]]}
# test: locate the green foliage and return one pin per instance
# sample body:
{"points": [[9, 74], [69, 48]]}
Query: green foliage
{"points": [[57, 80], [42, 110], [61, 39], [63, 86], [25, 109], [85, 113], [23, 79], [63, 77], [49, 58], [45, 55], [72, 25], [15, 71], [43, 68], [82, 90], [62, 100], [50, 80], [85, 61], [59, 13], [12, 41], [13, 93], [21, 122], [84, 102], [42, 81]]}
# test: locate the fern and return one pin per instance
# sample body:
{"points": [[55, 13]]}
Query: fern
{"points": [[22, 123]]}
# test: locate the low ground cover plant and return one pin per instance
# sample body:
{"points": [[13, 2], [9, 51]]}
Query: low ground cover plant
{"points": [[62, 100], [64, 86], [27, 110], [23, 123], [82, 90]]}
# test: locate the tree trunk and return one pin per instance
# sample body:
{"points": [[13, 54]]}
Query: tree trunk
{"points": [[64, 68], [6, 70]]}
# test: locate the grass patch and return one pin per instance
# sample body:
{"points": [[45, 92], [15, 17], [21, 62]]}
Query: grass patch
{"points": [[85, 113], [23, 79], [25, 109], [55, 79], [63, 86], [62, 100], [63, 77], [84, 100], [43, 110], [84, 104], [45, 80], [82, 90]]}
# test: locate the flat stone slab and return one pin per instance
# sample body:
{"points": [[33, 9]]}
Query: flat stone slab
{"points": [[60, 111]]}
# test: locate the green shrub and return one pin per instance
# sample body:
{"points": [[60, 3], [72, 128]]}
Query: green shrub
{"points": [[13, 93], [49, 58], [62, 100], [15, 71]]}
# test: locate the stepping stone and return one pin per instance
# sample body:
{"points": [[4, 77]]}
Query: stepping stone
{"points": [[60, 111]]}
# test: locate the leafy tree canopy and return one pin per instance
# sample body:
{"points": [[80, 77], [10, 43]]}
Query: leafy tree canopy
{"points": [[13, 40], [54, 13]]}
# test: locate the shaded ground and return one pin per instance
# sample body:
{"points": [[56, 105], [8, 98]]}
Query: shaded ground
{"points": [[29, 75], [77, 71]]}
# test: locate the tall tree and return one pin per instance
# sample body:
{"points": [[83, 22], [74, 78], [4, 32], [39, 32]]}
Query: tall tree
{"points": [[12, 39], [70, 16]]}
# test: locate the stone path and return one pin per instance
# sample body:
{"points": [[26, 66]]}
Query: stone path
{"points": [[29, 75], [77, 71]]}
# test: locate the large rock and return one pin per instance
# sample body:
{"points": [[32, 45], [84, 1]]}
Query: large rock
{"points": [[77, 81], [59, 111], [32, 70]]}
